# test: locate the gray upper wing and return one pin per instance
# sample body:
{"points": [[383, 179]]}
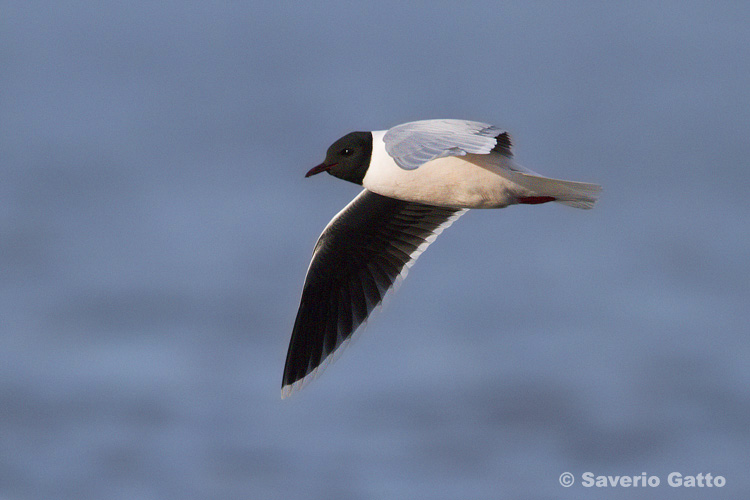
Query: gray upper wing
{"points": [[414, 144]]}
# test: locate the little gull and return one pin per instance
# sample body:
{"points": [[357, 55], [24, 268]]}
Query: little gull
{"points": [[418, 178]]}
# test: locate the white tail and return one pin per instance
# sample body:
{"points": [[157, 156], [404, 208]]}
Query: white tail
{"points": [[571, 193]]}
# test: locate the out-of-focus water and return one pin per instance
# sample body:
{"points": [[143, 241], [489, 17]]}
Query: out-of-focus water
{"points": [[155, 228]]}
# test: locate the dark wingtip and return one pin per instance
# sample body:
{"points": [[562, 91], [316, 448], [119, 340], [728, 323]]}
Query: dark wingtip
{"points": [[504, 144]]}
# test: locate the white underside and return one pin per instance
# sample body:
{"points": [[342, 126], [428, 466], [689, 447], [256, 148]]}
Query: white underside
{"points": [[469, 181]]}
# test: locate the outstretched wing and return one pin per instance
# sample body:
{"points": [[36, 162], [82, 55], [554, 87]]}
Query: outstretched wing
{"points": [[414, 144], [363, 251]]}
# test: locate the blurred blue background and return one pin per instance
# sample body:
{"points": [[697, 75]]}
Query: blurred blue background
{"points": [[155, 229]]}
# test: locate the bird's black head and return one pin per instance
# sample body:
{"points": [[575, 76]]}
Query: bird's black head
{"points": [[347, 158]]}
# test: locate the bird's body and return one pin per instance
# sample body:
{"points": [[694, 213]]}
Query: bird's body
{"points": [[492, 180], [418, 178], [470, 181]]}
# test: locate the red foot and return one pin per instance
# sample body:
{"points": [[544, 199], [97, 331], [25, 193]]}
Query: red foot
{"points": [[535, 200]]}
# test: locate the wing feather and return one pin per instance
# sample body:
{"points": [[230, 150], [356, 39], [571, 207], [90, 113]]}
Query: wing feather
{"points": [[357, 260], [414, 144]]}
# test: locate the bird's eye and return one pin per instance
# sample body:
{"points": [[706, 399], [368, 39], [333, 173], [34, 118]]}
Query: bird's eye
{"points": [[346, 152]]}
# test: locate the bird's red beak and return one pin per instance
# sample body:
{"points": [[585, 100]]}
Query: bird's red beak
{"points": [[320, 168]]}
